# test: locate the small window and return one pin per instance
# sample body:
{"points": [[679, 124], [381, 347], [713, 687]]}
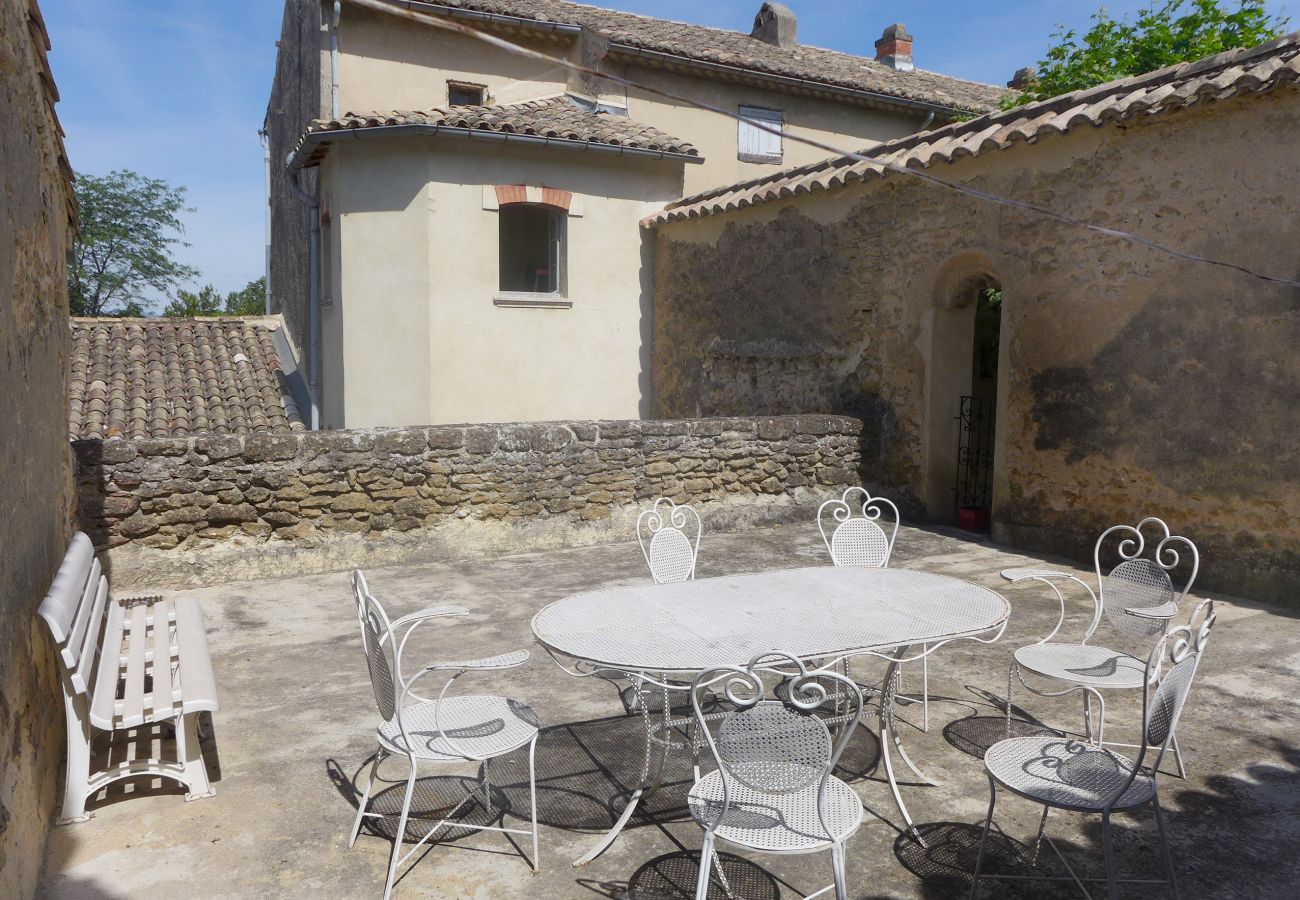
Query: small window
{"points": [[532, 248], [460, 93], [757, 144]]}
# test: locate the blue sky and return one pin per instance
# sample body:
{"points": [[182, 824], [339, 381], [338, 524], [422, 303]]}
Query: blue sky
{"points": [[177, 90]]}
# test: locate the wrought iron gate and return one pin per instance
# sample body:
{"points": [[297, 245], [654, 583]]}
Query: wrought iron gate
{"points": [[975, 453]]}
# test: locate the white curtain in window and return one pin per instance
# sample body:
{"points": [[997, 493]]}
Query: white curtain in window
{"points": [[757, 144]]}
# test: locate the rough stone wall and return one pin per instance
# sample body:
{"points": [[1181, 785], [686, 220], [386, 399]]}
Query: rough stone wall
{"points": [[296, 98], [221, 508], [36, 487], [1133, 383]]}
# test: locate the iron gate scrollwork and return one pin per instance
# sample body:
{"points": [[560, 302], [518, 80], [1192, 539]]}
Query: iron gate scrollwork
{"points": [[975, 453]]}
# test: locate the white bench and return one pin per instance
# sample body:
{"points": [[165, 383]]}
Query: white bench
{"points": [[125, 663]]}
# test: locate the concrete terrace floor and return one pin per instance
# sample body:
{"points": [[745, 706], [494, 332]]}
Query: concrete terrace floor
{"points": [[297, 721]]}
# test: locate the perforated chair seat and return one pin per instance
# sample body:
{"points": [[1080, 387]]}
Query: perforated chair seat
{"points": [[1083, 664], [777, 823], [1066, 774], [482, 726]]}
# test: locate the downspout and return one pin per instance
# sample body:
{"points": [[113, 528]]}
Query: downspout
{"points": [[925, 123], [266, 162], [313, 301], [334, 60]]}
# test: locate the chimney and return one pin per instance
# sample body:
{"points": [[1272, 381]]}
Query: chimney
{"points": [[894, 48], [1023, 78], [775, 24]]}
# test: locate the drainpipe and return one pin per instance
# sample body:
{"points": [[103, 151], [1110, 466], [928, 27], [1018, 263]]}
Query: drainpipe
{"points": [[925, 123], [334, 60], [313, 301], [266, 162]]}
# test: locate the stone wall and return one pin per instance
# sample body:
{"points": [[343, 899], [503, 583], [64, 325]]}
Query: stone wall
{"points": [[36, 483], [1130, 383], [220, 508]]}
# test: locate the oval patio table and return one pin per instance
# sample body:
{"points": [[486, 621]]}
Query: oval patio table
{"points": [[649, 632]]}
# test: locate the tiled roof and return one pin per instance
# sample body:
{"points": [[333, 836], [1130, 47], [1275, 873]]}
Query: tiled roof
{"points": [[553, 118], [738, 50], [141, 378], [1219, 77]]}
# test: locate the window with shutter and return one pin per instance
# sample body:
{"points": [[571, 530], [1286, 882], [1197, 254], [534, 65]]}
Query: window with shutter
{"points": [[757, 144]]}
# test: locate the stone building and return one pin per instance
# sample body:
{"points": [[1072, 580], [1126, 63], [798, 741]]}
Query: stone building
{"points": [[463, 220], [37, 216], [1122, 381]]}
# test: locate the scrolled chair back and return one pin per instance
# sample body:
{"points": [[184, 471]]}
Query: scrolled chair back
{"points": [[1140, 580], [669, 535], [774, 741], [856, 537], [1170, 669], [380, 647]]}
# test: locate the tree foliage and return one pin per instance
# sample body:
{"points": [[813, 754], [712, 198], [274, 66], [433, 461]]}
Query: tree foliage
{"points": [[1161, 35], [130, 225], [249, 300]]}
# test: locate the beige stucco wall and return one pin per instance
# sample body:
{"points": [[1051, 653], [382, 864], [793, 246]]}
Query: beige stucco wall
{"points": [[36, 484], [414, 335], [1130, 382], [389, 63]]}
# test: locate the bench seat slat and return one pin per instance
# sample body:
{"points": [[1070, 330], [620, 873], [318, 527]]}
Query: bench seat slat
{"points": [[132, 703], [161, 699], [110, 656], [197, 683], [81, 675]]}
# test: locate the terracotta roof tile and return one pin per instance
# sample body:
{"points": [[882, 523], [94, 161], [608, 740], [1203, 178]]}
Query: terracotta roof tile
{"points": [[1266, 67], [556, 118], [143, 378], [739, 50]]}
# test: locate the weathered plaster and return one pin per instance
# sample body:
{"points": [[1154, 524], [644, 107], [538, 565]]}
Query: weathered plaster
{"points": [[1131, 383]]}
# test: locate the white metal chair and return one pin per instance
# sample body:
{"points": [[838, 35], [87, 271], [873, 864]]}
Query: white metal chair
{"points": [[1072, 775], [857, 538], [1137, 598], [451, 729], [774, 790], [664, 532]]}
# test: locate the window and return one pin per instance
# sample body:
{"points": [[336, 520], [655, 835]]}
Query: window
{"points": [[754, 144], [532, 249], [461, 93]]}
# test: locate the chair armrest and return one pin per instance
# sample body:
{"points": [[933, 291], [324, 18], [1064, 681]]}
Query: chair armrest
{"points": [[1022, 574], [433, 612], [1163, 611], [503, 661]]}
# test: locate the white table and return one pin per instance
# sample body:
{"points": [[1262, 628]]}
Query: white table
{"points": [[649, 632]]}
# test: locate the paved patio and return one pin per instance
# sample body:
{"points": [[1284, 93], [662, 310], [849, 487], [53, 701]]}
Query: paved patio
{"points": [[298, 715]]}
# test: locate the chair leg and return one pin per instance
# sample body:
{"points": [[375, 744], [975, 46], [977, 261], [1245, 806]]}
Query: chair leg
{"points": [[487, 787], [1011, 674], [706, 863], [1038, 841], [1087, 716], [925, 689], [1108, 845], [365, 796], [532, 795], [988, 824], [76, 787], [1178, 757], [191, 757], [400, 837], [841, 880], [1164, 840]]}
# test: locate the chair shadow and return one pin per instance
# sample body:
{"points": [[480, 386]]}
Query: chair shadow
{"points": [[672, 876], [944, 866]]}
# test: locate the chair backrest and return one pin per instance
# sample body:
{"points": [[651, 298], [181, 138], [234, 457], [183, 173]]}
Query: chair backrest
{"points": [[1171, 666], [774, 741], [381, 649], [669, 536], [74, 611], [1140, 580], [858, 539]]}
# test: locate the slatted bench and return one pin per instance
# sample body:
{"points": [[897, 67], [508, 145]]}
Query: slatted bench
{"points": [[125, 663]]}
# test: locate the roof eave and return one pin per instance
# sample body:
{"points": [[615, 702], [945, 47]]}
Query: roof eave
{"points": [[302, 158]]}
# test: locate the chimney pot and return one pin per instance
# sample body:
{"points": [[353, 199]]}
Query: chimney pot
{"points": [[775, 24], [1023, 78], [894, 48]]}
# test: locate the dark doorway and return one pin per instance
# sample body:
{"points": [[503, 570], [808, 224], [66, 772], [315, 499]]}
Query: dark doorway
{"points": [[977, 416]]}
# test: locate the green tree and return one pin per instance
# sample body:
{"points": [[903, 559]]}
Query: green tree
{"points": [[130, 226], [1161, 35], [206, 302], [249, 301]]}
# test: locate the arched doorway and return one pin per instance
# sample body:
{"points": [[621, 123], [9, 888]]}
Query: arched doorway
{"points": [[962, 393]]}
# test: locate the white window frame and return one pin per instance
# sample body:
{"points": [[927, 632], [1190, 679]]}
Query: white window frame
{"points": [[558, 251], [755, 144]]}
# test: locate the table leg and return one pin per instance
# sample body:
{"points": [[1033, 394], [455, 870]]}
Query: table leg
{"points": [[889, 735], [648, 785]]}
